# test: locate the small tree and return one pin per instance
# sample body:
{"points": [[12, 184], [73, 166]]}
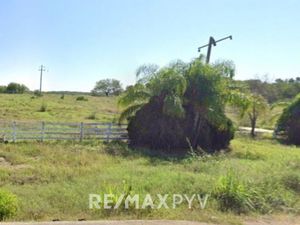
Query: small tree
{"points": [[256, 105], [107, 87]]}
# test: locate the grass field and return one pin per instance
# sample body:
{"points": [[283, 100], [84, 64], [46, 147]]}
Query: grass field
{"points": [[53, 180], [27, 107]]}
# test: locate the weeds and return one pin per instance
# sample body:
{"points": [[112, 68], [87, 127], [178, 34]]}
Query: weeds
{"points": [[92, 116], [81, 98], [292, 181], [232, 194], [54, 179], [43, 108], [8, 205]]}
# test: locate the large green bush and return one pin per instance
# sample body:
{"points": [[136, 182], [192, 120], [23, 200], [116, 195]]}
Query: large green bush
{"points": [[178, 107], [289, 122], [8, 205]]}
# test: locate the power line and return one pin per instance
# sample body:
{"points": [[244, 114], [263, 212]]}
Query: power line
{"points": [[211, 43], [41, 69]]}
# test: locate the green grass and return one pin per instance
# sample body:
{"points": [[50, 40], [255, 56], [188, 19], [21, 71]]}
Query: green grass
{"points": [[51, 107], [52, 180]]}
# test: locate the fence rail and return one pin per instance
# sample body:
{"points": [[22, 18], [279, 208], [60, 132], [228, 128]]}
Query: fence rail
{"points": [[14, 131]]}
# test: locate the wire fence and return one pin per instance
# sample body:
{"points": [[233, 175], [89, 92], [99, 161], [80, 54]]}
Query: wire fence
{"points": [[20, 131]]}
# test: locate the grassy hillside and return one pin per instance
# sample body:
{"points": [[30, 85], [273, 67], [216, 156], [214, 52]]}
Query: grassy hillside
{"points": [[53, 180], [26, 107]]}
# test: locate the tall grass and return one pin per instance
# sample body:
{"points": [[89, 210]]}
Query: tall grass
{"points": [[52, 180]]}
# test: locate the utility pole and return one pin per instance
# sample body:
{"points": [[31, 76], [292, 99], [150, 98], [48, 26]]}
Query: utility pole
{"points": [[41, 69], [211, 43]]}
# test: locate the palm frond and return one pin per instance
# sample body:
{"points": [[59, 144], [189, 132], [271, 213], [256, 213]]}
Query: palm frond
{"points": [[130, 111], [173, 106], [145, 72], [136, 94]]}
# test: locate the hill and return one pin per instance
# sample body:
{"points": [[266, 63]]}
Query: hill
{"points": [[27, 107]]}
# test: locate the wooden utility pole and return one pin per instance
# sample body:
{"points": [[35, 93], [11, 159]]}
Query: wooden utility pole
{"points": [[211, 43], [41, 69]]}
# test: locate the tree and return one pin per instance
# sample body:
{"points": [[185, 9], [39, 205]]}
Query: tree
{"points": [[277, 91], [178, 107], [107, 87], [289, 122], [254, 106], [258, 106], [15, 88], [2, 89]]}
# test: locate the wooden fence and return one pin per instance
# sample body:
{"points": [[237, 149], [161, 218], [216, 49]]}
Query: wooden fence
{"points": [[14, 131]]}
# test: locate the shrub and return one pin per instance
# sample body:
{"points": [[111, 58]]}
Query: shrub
{"points": [[43, 108], [232, 195], [62, 96], [162, 133], [289, 122], [2, 89], [92, 116], [37, 93], [81, 98], [116, 191], [292, 182], [178, 102], [8, 205]]}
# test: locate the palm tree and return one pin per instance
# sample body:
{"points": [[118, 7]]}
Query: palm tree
{"points": [[167, 84], [191, 97]]}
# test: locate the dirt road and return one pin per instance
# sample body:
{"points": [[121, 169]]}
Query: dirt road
{"points": [[260, 221]]}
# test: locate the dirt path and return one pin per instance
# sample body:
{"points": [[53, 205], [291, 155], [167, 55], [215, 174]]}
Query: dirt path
{"points": [[284, 220], [131, 222], [257, 130], [259, 221]]}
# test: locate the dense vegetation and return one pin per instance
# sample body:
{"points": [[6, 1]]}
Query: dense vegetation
{"points": [[289, 122], [180, 107], [279, 90], [14, 88]]}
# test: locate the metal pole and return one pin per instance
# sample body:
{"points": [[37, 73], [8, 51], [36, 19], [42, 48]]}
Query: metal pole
{"points": [[211, 43], [42, 69]]}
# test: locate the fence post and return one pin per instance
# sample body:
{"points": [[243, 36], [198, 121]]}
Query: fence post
{"points": [[14, 131], [108, 132], [43, 131], [81, 131]]}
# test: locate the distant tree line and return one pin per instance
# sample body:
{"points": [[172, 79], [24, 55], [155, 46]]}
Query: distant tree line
{"points": [[14, 88], [275, 91]]}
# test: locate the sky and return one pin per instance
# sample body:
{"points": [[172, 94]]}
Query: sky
{"points": [[83, 41]]}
